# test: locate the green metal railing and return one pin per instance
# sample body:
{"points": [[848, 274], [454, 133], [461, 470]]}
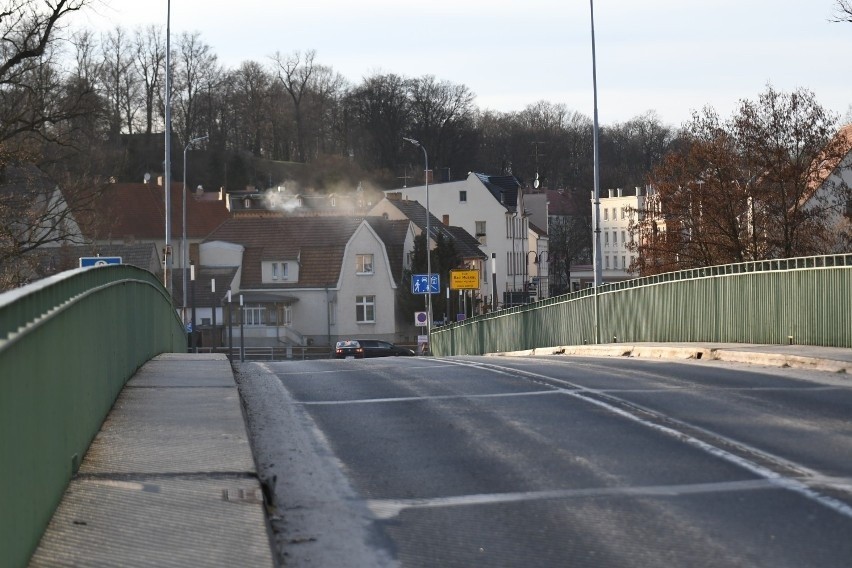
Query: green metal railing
{"points": [[806, 300], [68, 344]]}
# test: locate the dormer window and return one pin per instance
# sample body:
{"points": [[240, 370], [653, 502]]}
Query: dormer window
{"points": [[364, 264]]}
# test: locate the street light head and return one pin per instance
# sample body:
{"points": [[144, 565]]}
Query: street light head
{"points": [[412, 140]]}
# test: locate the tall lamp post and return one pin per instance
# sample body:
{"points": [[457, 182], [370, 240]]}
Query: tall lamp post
{"points": [[428, 251], [597, 242], [167, 174], [184, 256]]}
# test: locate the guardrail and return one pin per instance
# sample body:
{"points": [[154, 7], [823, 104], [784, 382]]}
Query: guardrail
{"points": [[806, 300], [68, 344]]}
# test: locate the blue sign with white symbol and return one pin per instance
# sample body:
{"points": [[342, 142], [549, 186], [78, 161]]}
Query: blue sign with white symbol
{"points": [[423, 284], [99, 260]]}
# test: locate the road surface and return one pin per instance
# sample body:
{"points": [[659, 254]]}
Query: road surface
{"points": [[552, 461]]}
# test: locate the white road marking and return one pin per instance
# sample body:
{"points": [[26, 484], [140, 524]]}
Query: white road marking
{"points": [[789, 483]]}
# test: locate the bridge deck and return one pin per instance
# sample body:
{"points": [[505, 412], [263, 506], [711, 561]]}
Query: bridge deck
{"points": [[169, 480]]}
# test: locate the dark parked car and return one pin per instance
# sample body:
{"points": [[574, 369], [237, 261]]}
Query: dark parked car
{"points": [[348, 348], [376, 348]]}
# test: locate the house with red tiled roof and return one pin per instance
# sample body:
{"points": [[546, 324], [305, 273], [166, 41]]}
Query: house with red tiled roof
{"points": [[129, 213], [310, 281]]}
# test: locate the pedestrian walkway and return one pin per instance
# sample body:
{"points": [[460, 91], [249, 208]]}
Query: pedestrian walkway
{"points": [[169, 480], [831, 359]]}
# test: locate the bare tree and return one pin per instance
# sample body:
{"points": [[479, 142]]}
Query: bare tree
{"points": [[295, 72], [27, 37], [149, 59], [842, 11], [197, 74], [120, 83]]}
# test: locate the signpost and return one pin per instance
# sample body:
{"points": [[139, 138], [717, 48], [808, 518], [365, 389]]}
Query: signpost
{"points": [[421, 284], [464, 279], [98, 260]]}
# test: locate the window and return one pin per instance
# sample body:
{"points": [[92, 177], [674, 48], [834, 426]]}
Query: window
{"points": [[615, 237], [606, 262], [480, 231], [279, 271], [622, 214], [615, 262], [253, 314], [365, 309], [606, 238], [462, 196], [624, 262], [364, 263], [606, 214], [623, 237]]}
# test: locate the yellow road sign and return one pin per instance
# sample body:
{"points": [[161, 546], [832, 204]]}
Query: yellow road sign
{"points": [[464, 279]]}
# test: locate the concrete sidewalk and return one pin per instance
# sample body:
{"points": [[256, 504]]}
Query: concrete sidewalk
{"points": [[170, 479], [831, 359]]}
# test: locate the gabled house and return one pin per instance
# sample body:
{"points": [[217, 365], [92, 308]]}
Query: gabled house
{"points": [[831, 190], [492, 209], [466, 245], [309, 281]]}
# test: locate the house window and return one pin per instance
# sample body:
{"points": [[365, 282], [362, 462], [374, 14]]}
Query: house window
{"points": [[623, 237], [606, 262], [365, 309], [462, 196], [606, 238], [622, 214], [606, 214], [253, 314], [364, 263], [624, 262], [615, 237], [480, 231], [279, 271]]}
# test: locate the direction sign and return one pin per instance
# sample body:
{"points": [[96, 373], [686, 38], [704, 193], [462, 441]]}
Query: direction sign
{"points": [[99, 260], [464, 279], [422, 284]]}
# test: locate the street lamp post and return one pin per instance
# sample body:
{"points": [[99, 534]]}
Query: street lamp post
{"points": [[167, 166], [183, 252], [597, 242], [192, 290], [428, 251]]}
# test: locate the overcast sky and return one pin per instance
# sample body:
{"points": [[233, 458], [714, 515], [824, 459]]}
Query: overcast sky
{"points": [[670, 56]]}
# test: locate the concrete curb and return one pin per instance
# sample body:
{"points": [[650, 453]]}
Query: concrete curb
{"points": [[698, 351]]}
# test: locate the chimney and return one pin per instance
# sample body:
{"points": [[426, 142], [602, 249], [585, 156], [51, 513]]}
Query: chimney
{"points": [[619, 192], [638, 191]]}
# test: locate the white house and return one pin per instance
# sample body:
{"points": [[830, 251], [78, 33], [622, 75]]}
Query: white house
{"points": [[617, 210], [308, 281], [492, 209]]}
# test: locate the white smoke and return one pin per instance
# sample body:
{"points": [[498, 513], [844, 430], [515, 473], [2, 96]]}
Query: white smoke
{"points": [[278, 199]]}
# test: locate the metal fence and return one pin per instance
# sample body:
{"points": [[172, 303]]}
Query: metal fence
{"points": [[68, 344], [804, 300]]}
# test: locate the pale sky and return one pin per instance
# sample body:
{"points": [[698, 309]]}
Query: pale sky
{"points": [[670, 56]]}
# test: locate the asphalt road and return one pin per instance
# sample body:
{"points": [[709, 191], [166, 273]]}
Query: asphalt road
{"points": [[552, 461]]}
